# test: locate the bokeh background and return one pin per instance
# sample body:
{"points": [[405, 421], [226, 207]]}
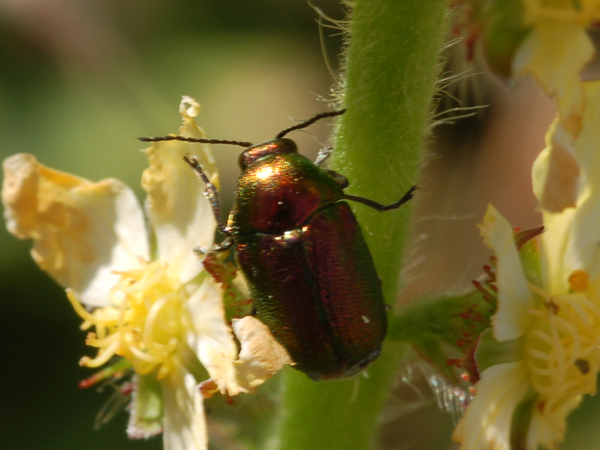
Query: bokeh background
{"points": [[81, 79]]}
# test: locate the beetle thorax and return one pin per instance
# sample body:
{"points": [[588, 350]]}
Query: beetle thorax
{"points": [[280, 192], [253, 154]]}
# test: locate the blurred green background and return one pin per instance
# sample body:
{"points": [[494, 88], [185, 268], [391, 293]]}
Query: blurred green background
{"points": [[81, 79]]}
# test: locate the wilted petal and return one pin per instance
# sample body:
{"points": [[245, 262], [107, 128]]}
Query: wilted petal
{"points": [[556, 177], [555, 52], [82, 231], [181, 216], [487, 423], [583, 249], [184, 424], [571, 240], [514, 297], [261, 356], [556, 172]]}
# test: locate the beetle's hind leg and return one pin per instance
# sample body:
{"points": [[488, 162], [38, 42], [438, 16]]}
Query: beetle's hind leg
{"points": [[380, 207]]}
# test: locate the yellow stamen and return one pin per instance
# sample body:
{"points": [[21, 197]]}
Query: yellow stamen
{"points": [[78, 307], [145, 321], [562, 345]]}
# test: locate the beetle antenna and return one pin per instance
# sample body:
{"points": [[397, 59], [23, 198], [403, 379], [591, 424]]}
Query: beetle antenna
{"points": [[174, 137], [310, 122]]}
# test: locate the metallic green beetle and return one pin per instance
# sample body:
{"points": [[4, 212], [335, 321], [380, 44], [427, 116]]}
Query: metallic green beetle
{"points": [[301, 250]]}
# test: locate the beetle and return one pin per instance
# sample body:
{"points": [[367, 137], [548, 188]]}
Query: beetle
{"points": [[303, 255]]}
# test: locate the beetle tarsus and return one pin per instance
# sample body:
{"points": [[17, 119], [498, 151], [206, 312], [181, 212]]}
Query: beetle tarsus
{"points": [[380, 207], [201, 251], [216, 248]]}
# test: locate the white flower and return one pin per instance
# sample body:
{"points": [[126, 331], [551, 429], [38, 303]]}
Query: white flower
{"points": [[140, 287]]}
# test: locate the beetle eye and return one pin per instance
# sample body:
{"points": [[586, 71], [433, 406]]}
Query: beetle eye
{"points": [[288, 146], [242, 161]]}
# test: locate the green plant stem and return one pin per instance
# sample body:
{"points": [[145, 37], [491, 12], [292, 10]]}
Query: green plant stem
{"points": [[390, 73]]}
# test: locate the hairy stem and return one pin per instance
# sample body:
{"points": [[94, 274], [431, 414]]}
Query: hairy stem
{"points": [[391, 64]]}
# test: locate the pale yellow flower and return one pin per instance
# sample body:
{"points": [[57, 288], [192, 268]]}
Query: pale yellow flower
{"points": [[547, 324], [140, 286], [555, 52], [549, 40]]}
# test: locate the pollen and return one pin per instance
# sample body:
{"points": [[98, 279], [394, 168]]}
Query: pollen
{"points": [[562, 349], [579, 281], [145, 322]]}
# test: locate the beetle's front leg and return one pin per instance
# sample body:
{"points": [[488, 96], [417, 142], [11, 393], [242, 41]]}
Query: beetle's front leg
{"points": [[380, 207], [210, 193]]}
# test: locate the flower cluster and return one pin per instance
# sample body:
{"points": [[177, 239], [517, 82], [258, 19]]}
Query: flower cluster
{"points": [[542, 353]]}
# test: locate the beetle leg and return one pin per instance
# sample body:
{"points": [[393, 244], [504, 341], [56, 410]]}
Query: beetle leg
{"points": [[378, 206], [211, 192], [323, 154], [223, 246]]}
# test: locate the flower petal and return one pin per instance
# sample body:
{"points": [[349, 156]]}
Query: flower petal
{"points": [[555, 52], [486, 424], [184, 424], [548, 434], [555, 172], [514, 297], [211, 334], [261, 356], [182, 218], [571, 241], [583, 251], [82, 231]]}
